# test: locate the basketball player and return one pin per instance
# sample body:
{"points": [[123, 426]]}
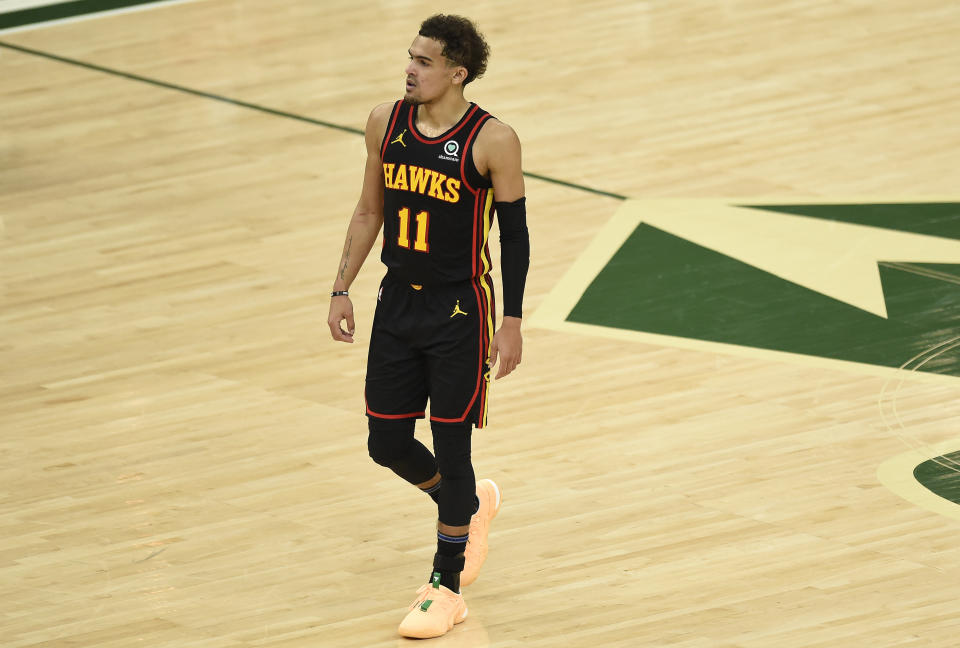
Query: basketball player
{"points": [[438, 167]]}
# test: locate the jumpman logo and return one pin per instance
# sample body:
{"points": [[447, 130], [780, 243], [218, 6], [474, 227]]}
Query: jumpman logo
{"points": [[456, 310], [399, 138]]}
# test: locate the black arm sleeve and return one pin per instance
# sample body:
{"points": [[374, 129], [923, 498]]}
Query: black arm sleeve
{"points": [[514, 253]]}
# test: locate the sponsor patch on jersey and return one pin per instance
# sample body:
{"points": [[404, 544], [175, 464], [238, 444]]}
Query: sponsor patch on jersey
{"points": [[451, 151]]}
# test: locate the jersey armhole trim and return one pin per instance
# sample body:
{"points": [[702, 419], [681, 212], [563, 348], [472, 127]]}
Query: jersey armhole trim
{"points": [[468, 152], [390, 127]]}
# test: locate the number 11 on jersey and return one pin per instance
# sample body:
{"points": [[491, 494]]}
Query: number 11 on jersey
{"points": [[420, 244]]}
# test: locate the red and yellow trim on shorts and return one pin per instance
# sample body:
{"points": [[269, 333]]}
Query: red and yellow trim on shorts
{"points": [[392, 417], [486, 307], [488, 321]]}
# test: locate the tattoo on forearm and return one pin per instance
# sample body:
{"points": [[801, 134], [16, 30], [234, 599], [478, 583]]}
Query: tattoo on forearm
{"points": [[346, 257]]}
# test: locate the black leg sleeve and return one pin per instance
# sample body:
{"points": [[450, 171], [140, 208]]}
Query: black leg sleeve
{"points": [[451, 443], [392, 444]]}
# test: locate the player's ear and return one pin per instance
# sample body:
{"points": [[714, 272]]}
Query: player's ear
{"points": [[460, 74]]}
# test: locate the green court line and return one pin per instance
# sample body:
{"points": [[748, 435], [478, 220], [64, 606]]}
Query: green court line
{"points": [[61, 10], [257, 107], [179, 88], [573, 185]]}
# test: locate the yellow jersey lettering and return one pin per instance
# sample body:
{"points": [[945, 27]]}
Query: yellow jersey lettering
{"points": [[402, 177], [453, 191], [400, 181], [418, 179], [436, 184], [388, 175]]}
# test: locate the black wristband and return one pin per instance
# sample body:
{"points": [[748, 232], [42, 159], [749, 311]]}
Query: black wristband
{"points": [[340, 293]]}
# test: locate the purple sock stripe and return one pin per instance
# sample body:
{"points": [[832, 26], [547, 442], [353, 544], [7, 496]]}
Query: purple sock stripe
{"points": [[447, 538], [432, 489]]}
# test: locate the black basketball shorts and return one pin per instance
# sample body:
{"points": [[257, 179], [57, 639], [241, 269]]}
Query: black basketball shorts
{"points": [[431, 343]]}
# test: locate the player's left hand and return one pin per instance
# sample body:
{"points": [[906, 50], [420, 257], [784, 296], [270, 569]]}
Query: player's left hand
{"points": [[507, 346]]}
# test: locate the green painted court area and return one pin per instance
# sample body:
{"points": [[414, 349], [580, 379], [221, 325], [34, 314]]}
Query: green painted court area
{"points": [[47, 11], [941, 476], [660, 283]]}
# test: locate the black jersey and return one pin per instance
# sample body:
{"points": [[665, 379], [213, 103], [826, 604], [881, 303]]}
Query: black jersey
{"points": [[437, 207]]}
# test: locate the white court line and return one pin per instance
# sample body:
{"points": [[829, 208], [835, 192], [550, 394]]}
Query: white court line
{"points": [[89, 16]]}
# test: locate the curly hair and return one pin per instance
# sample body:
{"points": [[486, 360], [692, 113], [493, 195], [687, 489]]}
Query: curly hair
{"points": [[463, 44]]}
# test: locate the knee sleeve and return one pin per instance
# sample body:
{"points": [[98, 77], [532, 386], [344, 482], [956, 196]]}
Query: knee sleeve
{"points": [[451, 444], [388, 440], [391, 444]]}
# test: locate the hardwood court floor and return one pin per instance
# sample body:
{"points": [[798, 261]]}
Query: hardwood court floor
{"points": [[183, 446]]}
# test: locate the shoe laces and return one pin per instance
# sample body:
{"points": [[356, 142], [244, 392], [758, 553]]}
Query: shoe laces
{"points": [[422, 595], [440, 598]]}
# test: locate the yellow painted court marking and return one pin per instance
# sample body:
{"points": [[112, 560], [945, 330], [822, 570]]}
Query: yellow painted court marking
{"points": [[758, 236], [896, 474]]}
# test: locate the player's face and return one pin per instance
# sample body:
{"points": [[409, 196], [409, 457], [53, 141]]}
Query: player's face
{"points": [[429, 73]]}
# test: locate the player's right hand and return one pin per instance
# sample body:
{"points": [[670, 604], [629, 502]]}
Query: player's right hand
{"points": [[341, 308]]}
